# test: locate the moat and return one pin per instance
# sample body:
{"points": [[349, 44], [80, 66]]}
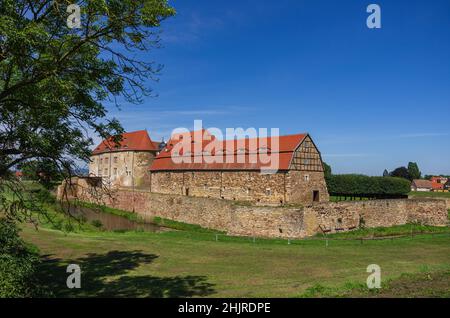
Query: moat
{"points": [[111, 222]]}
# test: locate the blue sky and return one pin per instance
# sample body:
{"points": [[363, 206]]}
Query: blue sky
{"points": [[371, 99]]}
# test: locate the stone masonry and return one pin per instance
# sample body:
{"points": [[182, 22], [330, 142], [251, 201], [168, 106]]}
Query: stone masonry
{"points": [[236, 218]]}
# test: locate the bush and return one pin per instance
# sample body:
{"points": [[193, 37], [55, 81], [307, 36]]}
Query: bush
{"points": [[18, 262], [97, 223], [352, 184]]}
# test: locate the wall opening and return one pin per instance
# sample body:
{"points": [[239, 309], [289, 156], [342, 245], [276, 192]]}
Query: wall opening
{"points": [[316, 196], [187, 192]]}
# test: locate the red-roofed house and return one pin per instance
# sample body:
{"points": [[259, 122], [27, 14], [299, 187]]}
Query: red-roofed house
{"points": [[438, 183], [421, 185], [275, 170], [125, 163]]}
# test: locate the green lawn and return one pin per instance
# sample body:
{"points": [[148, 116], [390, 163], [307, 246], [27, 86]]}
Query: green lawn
{"points": [[179, 263], [445, 195], [193, 262]]}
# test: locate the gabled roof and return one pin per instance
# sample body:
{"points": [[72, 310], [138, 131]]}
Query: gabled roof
{"points": [[238, 154], [131, 141], [424, 184]]}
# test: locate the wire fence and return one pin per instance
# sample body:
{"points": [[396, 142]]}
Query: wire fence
{"points": [[218, 237]]}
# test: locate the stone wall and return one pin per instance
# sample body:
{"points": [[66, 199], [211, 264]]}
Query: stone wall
{"points": [[123, 167], [264, 221], [334, 217], [229, 185], [301, 185], [270, 189]]}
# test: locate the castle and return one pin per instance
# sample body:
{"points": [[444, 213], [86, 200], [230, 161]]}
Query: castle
{"points": [[138, 162]]}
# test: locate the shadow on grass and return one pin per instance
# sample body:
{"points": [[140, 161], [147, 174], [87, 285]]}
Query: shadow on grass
{"points": [[105, 275]]}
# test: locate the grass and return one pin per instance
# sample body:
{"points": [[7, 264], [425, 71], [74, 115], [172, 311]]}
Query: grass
{"points": [[183, 226], [422, 284], [445, 195], [194, 264], [398, 230], [349, 198]]}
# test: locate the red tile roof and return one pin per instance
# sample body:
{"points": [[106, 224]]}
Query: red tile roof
{"points": [[131, 141], [437, 186], [438, 183], [240, 154], [424, 184]]}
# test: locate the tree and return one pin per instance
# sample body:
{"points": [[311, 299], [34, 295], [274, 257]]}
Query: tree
{"points": [[413, 171], [18, 262], [327, 170], [54, 80], [43, 171], [400, 172]]}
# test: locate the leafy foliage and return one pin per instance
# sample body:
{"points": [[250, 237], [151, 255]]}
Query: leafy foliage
{"points": [[42, 170], [18, 263], [54, 80], [353, 184], [400, 172], [327, 170], [413, 171]]}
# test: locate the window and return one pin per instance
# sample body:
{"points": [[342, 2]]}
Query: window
{"points": [[106, 171], [115, 159], [306, 177], [101, 161], [268, 191], [115, 171]]}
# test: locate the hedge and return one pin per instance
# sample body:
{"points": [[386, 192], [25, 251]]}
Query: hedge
{"points": [[18, 264], [354, 185]]}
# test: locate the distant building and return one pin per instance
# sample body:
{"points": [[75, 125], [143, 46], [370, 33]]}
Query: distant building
{"points": [[447, 185], [438, 183], [19, 175], [421, 185]]}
